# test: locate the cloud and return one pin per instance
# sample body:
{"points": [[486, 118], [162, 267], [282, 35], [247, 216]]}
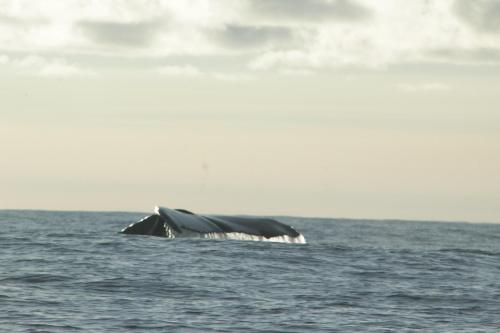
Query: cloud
{"points": [[190, 71], [297, 72], [40, 66], [279, 36], [233, 77], [4, 59], [290, 59], [424, 87], [129, 34], [469, 56], [240, 36], [21, 21], [421, 32], [310, 10], [184, 70], [483, 15]]}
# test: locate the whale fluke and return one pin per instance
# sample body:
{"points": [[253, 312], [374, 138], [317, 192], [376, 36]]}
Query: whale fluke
{"points": [[173, 223]]}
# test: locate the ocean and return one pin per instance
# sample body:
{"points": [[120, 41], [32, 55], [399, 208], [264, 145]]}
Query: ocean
{"points": [[73, 272]]}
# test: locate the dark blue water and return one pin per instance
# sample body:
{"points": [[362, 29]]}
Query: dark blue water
{"points": [[72, 272]]}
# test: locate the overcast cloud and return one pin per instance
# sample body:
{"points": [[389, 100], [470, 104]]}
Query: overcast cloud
{"points": [[310, 10], [133, 34], [241, 36], [289, 35], [483, 15]]}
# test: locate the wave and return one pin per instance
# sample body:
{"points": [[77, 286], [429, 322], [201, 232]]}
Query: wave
{"points": [[36, 278], [469, 251]]}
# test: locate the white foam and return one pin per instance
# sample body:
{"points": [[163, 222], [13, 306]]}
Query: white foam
{"points": [[246, 237]]}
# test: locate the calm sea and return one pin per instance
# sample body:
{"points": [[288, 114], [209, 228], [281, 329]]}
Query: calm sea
{"points": [[72, 272]]}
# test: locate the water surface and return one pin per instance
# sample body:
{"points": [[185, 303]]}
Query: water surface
{"points": [[72, 272]]}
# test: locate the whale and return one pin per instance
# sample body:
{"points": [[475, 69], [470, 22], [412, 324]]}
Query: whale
{"points": [[175, 223]]}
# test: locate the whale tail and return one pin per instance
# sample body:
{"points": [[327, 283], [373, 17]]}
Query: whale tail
{"points": [[171, 223], [152, 225]]}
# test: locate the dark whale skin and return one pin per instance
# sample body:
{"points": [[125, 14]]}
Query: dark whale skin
{"points": [[184, 222]]}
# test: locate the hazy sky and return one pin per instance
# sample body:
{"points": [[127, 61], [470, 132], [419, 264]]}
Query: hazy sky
{"points": [[372, 109]]}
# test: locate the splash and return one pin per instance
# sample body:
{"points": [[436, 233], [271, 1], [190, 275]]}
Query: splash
{"points": [[246, 237], [238, 236]]}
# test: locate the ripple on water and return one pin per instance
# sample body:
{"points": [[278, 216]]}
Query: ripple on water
{"points": [[35, 278]]}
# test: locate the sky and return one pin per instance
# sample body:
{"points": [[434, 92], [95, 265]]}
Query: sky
{"points": [[323, 108]]}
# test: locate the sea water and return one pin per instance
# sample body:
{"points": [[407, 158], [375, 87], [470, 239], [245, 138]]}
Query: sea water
{"points": [[73, 272]]}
